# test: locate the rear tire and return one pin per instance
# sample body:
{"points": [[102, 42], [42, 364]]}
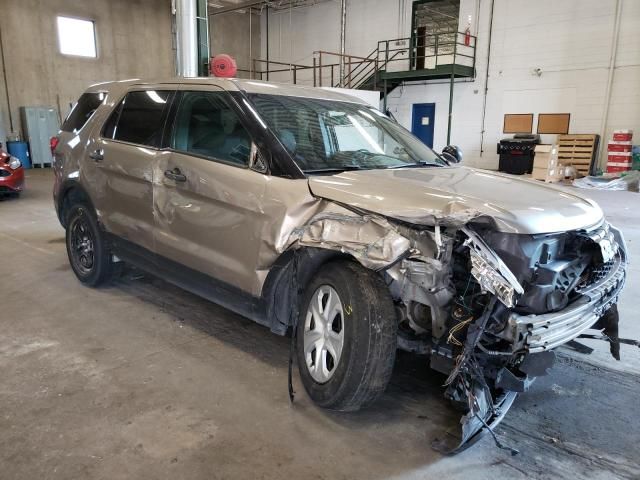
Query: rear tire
{"points": [[347, 312], [89, 254]]}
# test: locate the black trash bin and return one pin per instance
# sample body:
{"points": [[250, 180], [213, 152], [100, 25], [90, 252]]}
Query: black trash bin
{"points": [[516, 154]]}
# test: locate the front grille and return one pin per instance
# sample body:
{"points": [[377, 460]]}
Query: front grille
{"points": [[598, 293], [4, 173], [595, 275]]}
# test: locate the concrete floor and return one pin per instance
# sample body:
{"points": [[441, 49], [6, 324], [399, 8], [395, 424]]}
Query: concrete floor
{"points": [[143, 380]]}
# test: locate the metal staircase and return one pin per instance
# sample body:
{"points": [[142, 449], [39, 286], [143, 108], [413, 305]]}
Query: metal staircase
{"points": [[435, 56], [446, 55]]}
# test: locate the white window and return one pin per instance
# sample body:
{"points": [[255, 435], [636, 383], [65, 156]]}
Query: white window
{"points": [[77, 37]]}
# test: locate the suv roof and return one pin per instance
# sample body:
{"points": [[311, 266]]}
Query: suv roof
{"points": [[235, 84]]}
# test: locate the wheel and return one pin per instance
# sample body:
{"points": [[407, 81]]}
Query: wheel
{"points": [[346, 337], [88, 252]]}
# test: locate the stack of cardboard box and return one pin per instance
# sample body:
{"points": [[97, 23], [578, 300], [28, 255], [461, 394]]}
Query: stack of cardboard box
{"points": [[619, 159], [545, 164]]}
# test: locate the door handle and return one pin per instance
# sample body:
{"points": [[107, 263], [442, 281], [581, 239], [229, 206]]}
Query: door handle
{"points": [[97, 155], [175, 175]]}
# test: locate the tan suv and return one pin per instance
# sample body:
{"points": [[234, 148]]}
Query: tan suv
{"points": [[309, 211]]}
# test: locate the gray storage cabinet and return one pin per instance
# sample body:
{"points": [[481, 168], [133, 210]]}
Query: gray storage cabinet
{"points": [[39, 124]]}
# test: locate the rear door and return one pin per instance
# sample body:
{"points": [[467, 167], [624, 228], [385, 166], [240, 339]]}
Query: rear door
{"points": [[123, 158]]}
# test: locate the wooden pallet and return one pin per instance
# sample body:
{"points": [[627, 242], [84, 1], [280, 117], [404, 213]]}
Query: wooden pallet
{"points": [[577, 150]]}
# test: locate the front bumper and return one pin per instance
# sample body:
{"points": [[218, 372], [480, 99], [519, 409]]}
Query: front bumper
{"points": [[537, 333], [13, 182]]}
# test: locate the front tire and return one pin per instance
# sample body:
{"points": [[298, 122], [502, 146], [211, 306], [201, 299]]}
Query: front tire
{"points": [[346, 337], [88, 252]]}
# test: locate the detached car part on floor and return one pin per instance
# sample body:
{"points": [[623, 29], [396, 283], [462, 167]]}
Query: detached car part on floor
{"points": [[305, 209]]}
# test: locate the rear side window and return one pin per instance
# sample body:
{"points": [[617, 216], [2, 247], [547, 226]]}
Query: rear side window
{"points": [[82, 111], [139, 118]]}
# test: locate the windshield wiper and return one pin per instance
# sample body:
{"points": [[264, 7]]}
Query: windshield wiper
{"points": [[413, 165], [335, 169]]}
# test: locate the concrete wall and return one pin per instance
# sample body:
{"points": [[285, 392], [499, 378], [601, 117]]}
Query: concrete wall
{"points": [[133, 36], [230, 33], [570, 41]]}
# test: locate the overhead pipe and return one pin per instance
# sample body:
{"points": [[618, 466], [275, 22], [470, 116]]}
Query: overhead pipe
{"points": [[612, 64], [186, 38], [343, 27]]}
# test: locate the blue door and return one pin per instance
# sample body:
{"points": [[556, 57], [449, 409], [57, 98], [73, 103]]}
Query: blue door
{"points": [[424, 115]]}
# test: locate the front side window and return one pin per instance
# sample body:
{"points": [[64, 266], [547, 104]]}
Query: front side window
{"points": [[82, 111], [77, 37], [207, 126], [138, 118], [329, 135]]}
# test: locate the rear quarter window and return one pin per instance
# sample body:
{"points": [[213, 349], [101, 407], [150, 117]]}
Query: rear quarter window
{"points": [[82, 111]]}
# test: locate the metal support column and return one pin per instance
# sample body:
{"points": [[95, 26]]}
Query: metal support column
{"points": [[453, 71], [343, 26], [186, 38], [450, 107], [250, 44], [384, 98], [267, 46]]}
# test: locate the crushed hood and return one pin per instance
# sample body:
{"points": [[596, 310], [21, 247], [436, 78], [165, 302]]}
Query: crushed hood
{"points": [[456, 195]]}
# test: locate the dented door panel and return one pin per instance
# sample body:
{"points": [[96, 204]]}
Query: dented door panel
{"points": [[226, 221]]}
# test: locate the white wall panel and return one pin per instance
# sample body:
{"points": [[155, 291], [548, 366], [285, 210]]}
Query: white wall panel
{"points": [[569, 41]]}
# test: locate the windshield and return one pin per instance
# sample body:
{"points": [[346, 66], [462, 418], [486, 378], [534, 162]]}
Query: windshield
{"points": [[329, 136]]}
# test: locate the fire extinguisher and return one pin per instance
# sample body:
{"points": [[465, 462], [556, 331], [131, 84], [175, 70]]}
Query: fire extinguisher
{"points": [[467, 34]]}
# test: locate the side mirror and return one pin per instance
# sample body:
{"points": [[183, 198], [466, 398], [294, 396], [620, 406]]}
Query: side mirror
{"points": [[452, 154]]}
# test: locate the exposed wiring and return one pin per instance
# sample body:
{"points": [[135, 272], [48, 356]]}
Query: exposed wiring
{"points": [[493, 353], [499, 444], [455, 329]]}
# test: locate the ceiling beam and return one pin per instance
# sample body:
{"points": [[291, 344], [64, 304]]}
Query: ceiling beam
{"points": [[237, 6]]}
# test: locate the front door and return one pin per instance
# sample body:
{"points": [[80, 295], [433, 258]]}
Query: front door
{"points": [[207, 202], [423, 122]]}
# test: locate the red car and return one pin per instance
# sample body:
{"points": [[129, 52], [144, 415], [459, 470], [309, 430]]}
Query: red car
{"points": [[11, 174]]}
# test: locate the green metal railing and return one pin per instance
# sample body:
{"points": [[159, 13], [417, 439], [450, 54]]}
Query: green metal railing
{"points": [[416, 53], [440, 54]]}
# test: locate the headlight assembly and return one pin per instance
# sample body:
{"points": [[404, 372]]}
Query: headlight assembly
{"points": [[491, 281], [490, 271], [14, 163]]}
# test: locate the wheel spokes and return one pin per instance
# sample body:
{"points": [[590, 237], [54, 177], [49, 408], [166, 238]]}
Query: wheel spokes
{"points": [[334, 345], [331, 307], [82, 245], [323, 333]]}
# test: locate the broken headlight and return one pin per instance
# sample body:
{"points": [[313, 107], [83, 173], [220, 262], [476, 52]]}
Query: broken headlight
{"points": [[490, 280], [490, 271]]}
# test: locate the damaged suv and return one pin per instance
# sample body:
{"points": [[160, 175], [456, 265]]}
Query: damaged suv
{"points": [[309, 211]]}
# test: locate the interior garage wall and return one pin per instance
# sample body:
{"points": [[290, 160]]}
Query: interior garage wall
{"points": [[569, 41], [134, 40], [295, 34], [236, 34]]}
